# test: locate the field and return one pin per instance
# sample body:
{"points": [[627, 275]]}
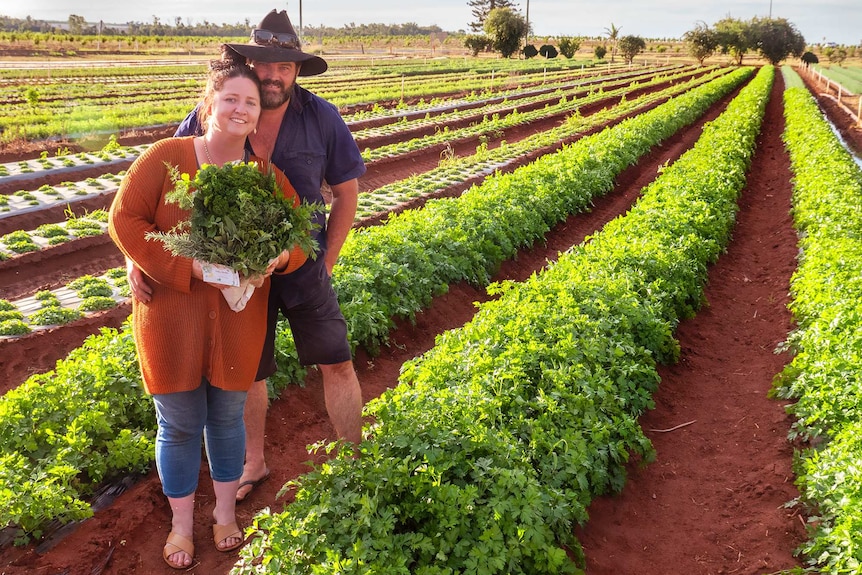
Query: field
{"points": [[722, 473]]}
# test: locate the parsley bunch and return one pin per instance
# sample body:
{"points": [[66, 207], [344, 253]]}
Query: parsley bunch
{"points": [[238, 218]]}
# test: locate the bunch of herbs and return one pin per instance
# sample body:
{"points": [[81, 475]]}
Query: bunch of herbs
{"points": [[239, 218]]}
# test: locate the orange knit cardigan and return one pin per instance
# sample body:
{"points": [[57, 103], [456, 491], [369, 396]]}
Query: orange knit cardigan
{"points": [[187, 331]]}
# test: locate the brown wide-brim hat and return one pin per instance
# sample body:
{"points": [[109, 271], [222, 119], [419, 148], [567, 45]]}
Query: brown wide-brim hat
{"points": [[275, 40]]}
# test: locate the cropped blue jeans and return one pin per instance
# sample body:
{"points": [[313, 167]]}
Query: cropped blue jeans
{"points": [[183, 418]]}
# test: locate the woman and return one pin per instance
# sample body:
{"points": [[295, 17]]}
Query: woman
{"points": [[197, 356]]}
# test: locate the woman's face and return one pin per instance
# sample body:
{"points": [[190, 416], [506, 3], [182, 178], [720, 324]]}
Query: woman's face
{"points": [[236, 107]]}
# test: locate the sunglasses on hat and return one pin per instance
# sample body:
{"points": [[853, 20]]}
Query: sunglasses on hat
{"points": [[281, 39]]}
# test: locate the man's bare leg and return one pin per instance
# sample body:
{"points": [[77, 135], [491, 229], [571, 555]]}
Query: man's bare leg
{"points": [[343, 398], [256, 404]]}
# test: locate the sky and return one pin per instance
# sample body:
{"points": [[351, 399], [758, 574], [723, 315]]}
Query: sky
{"points": [[817, 20]]}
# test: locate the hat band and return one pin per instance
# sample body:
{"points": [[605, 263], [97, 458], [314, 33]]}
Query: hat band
{"points": [[281, 39]]}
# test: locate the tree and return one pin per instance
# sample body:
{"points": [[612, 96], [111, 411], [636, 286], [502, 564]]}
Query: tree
{"points": [[631, 46], [77, 24], [481, 9], [477, 43], [600, 52], [568, 46], [733, 38], [505, 29], [613, 33], [836, 55], [702, 42], [776, 39]]}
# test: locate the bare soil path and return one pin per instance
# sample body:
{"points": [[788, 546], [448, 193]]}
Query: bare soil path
{"points": [[712, 502]]}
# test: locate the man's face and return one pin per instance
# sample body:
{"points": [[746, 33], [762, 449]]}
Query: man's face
{"points": [[277, 80]]}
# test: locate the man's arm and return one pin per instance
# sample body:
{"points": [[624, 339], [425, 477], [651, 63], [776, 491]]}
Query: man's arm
{"points": [[342, 212]]}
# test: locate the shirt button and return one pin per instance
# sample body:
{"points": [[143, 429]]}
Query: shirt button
{"points": [[212, 315]]}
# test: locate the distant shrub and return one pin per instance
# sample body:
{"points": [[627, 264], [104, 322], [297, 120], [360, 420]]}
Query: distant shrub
{"points": [[548, 51], [568, 46], [477, 43], [810, 58]]}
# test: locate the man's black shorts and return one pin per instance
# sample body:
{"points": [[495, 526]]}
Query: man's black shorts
{"points": [[317, 324]]}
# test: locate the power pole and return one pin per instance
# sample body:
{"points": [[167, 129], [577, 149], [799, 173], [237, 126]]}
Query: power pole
{"points": [[527, 39], [300, 16]]}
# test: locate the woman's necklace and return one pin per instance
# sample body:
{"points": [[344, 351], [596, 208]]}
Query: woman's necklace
{"points": [[207, 152]]}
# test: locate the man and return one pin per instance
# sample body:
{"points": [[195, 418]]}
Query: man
{"points": [[305, 136]]}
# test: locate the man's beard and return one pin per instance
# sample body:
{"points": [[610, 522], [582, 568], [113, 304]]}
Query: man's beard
{"points": [[270, 100]]}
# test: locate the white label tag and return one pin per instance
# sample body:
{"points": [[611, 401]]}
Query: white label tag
{"points": [[216, 274]]}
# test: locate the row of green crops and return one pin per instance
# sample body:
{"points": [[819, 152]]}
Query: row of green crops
{"points": [[450, 172], [40, 446], [458, 169], [526, 100], [65, 431], [515, 117], [378, 114], [583, 79], [17, 100], [493, 443], [850, 78], [24, 315], [75, 116], [824, 375], [47, 308], [407, 260]]}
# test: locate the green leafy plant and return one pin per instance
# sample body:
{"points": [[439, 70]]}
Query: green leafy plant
{"points": [[97, 303], [19, 242], [89, 286], [47, 298], [51, 231], [7, 314], [54, 315], [13, 327], [239, 218]]}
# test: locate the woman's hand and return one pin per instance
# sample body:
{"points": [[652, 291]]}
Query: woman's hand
{"points": [[198, 273], [140, 289], [279, 263]]}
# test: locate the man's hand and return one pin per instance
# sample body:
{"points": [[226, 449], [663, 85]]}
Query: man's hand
{"points": [[141, 290]]}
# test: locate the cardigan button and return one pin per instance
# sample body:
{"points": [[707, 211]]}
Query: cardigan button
{"points": [[212, 315]]}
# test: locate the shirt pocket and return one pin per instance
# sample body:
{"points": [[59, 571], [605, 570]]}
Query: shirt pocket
{"points": [[305, 169]]}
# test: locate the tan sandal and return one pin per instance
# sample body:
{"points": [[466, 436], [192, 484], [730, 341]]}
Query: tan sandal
{"points": [[177, 543], [228, 531]]}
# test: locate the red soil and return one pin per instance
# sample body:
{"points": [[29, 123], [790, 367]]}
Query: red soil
{"points": [[712, 502]]}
